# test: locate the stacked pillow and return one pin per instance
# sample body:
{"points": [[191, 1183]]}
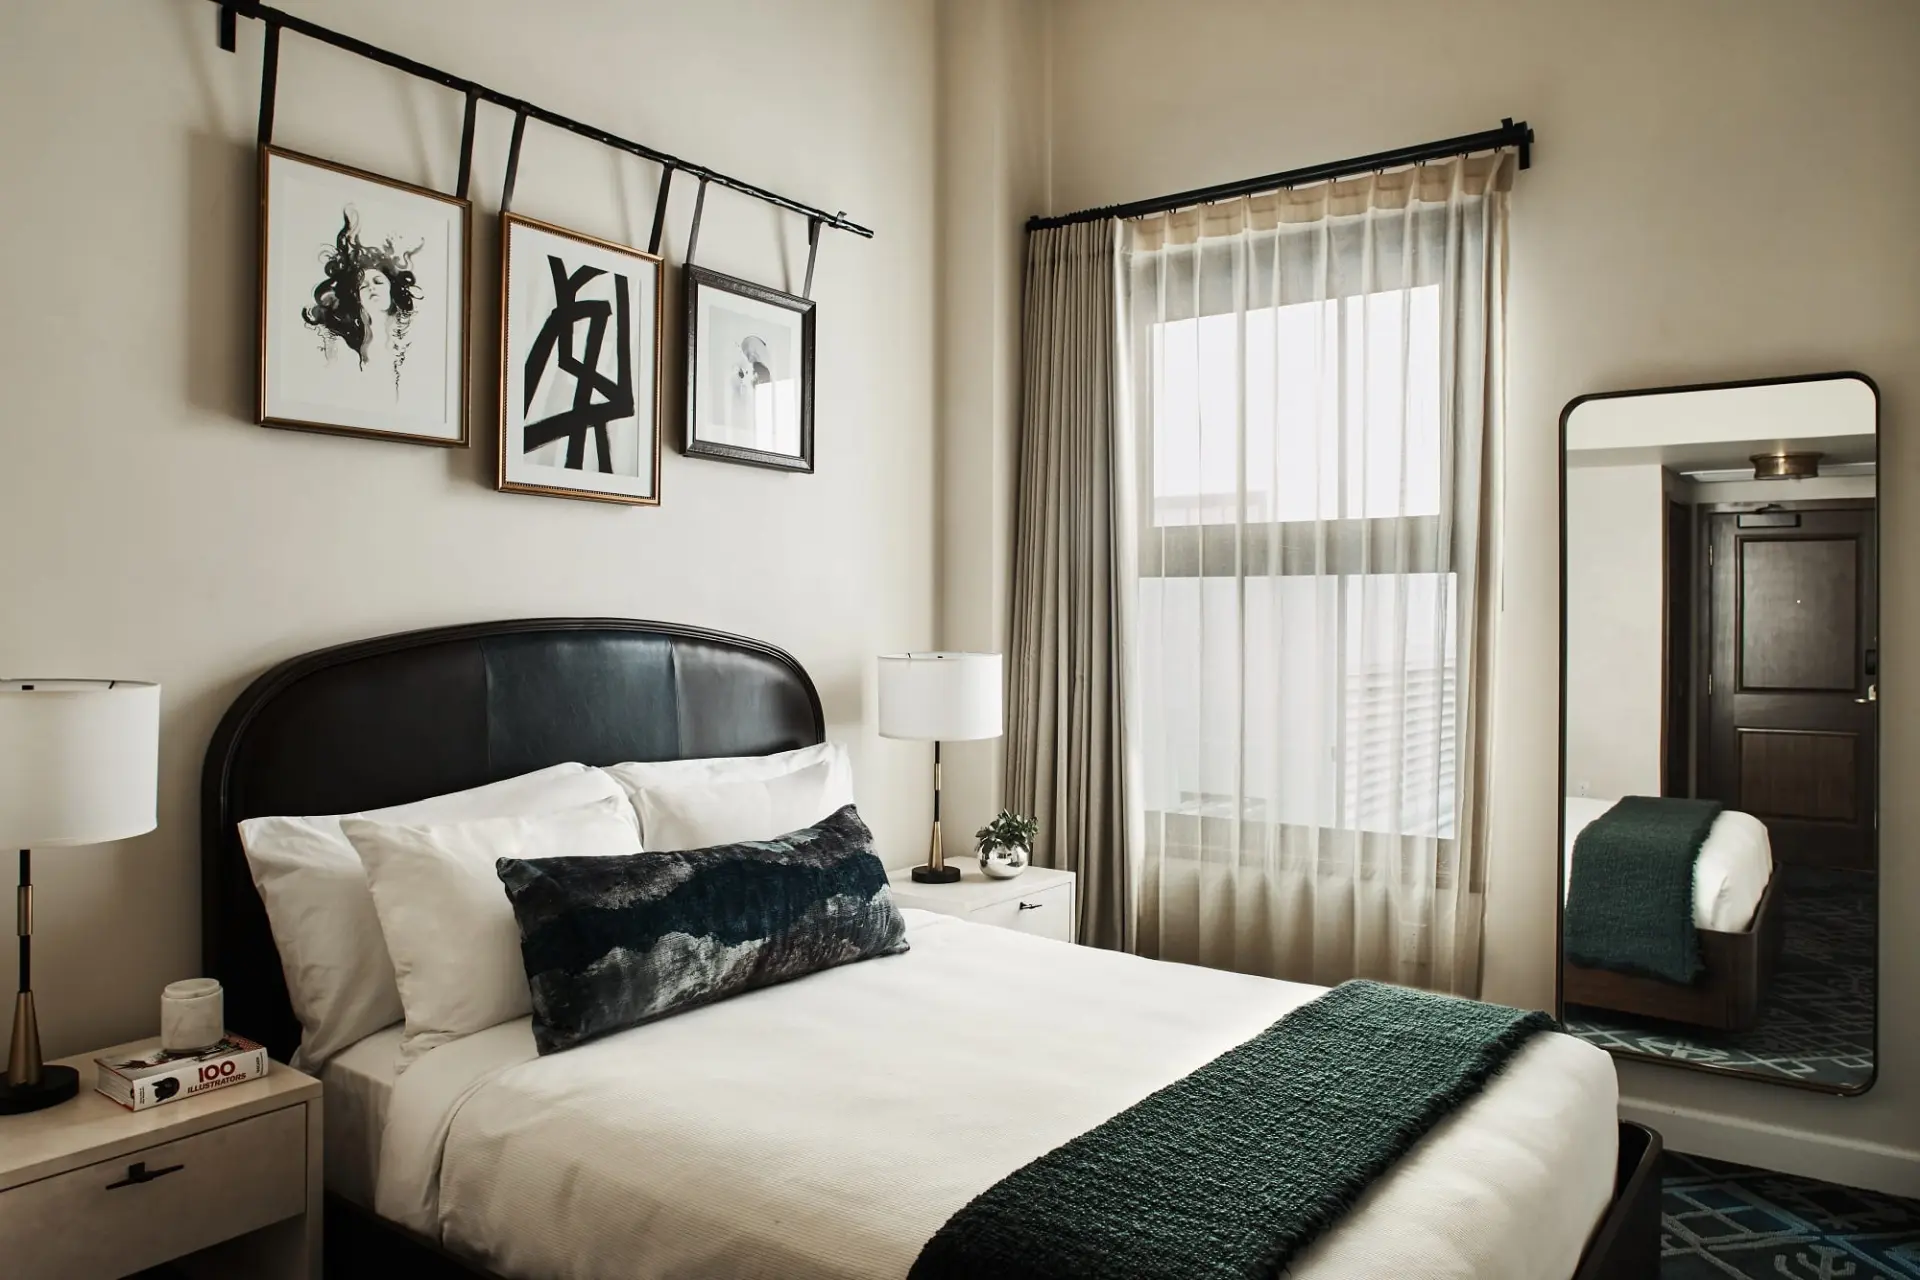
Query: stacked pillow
{"points": [[398, 914]]}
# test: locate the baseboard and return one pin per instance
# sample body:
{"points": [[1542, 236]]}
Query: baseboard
{"points": [[1830, 1158]]}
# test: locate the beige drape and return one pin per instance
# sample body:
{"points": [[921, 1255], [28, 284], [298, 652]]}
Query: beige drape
{"points": [[1315, 383], [1065, 759]]}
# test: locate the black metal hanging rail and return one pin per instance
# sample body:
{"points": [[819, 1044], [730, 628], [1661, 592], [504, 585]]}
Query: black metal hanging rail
{"points": [[232, 10], [1509, 134]]}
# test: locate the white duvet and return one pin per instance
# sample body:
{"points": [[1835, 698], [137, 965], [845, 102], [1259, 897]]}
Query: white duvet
{"points": [[824, 1129], [1732, 872]]}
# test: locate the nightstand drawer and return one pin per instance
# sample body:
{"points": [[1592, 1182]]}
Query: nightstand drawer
{"points": [[95, 1221], [1046, 914]]}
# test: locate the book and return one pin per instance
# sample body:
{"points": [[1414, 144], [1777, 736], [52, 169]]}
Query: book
{"points": [[151, 1075]]}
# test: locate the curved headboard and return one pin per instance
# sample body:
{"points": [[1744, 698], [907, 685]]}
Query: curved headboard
{"points": [[403, 717]]}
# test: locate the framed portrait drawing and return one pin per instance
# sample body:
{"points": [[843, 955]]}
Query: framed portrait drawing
{"points": [[579, 365], [749, 372], [363, 303]]}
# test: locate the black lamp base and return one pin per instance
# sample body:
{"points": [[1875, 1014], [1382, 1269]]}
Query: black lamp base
{"points": [[57, 1084], [936, 875]]}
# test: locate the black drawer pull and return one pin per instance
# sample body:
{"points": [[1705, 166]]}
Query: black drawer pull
{"points": [[1032, 906], [139, 1173]]}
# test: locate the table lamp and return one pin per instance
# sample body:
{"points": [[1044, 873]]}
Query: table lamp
{"points": [[939, 697], [79, 764]]}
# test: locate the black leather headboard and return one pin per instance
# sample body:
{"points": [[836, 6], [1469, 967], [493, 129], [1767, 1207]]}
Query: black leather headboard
{"points": [[400, 718]]}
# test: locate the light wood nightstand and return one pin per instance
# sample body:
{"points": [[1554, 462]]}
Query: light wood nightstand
{"points": [[225, 1184], [1039, 900]]}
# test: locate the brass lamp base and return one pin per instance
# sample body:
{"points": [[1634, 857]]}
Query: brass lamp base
{"points": [[935, 870]]}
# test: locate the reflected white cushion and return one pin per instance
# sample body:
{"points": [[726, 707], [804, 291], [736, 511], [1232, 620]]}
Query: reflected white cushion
{"points": [[699, 815], [446, 917], [636, 776], [314, 887]]}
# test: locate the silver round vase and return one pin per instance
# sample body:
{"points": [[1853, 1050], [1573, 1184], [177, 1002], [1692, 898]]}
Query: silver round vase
{"points": [[1003, 862]]}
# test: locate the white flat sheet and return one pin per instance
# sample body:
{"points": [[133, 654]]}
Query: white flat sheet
{"points": [[1732, 872], [359, 1082], [824, 1129]]}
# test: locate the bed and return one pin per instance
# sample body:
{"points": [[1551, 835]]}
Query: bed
{"points": [[1735, 912], [785, 1133]]}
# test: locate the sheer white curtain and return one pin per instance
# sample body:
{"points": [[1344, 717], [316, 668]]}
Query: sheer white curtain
{"points": [[1313, 383]]}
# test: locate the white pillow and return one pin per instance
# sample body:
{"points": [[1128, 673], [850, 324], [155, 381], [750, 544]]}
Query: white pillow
{"points": [[701, 814], [445, 914], [636, 777], [314, 887]]}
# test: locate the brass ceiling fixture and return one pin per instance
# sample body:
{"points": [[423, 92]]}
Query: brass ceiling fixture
{"points": [[1786, 466]]}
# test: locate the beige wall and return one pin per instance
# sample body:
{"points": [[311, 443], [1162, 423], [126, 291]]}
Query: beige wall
{"points": [[1722, 189], [1616, 551], [153, 531], [992, 175]]}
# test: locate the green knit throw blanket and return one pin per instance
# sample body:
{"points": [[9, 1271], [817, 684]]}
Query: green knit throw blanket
{"points": [[1229, 1173], [1630, 890]]}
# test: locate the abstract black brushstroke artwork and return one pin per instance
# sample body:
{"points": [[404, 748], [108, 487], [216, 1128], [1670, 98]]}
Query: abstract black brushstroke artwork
{"points": [[580, 355], [554, 346], [362, 303]]}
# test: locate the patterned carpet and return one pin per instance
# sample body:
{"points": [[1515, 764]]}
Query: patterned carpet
{"points": [[1728, 1222], [1816, 1021]]}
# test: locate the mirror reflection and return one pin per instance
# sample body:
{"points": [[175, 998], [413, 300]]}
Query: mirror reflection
{"points": [[1720, 728]]}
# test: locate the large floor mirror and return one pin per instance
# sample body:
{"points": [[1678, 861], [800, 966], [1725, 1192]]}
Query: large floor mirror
{"points": [[1719, 741]]}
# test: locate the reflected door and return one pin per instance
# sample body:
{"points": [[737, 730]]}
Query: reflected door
{"points": [[1792, 674]]}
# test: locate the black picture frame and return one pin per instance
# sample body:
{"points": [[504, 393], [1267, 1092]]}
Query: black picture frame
{"points": [[700, 280]]}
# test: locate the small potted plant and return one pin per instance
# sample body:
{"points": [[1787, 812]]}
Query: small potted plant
{"points": [[1006, 844]]}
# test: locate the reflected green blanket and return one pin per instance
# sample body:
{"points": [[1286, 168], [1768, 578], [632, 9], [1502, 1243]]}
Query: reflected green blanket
{"points": [[1630, 890], [1230, 1172]]}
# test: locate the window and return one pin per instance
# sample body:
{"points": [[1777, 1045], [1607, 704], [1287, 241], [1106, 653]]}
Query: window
{"points": [[1297, 611]]}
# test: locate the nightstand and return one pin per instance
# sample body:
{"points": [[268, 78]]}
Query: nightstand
{"points": [[225, 1184], [1039, 900]]}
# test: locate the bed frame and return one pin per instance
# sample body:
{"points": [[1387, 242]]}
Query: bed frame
{"points": [[399, 718], [1727, 997]]}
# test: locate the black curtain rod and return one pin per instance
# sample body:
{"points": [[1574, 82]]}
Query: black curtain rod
{"points": [[230, 9], [1509, 134]]}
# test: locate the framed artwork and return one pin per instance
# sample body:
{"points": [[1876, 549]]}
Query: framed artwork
{"points": [[749, 372], [363, 303], [579, 365]]}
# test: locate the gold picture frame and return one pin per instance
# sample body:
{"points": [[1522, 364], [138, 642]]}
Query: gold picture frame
{"points": [[347, 258], [613, 290]]}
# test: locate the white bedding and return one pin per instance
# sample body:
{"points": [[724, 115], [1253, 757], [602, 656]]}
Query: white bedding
{"points": [[1735, 864], [826, 1128], [359, 1082]]}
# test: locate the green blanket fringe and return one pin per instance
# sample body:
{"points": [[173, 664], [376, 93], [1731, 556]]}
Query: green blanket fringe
{"points": [[1630, 889], [1229, 1173]]}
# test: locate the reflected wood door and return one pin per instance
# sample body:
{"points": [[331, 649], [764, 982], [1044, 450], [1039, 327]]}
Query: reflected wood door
{"points": [[1793, 620]]}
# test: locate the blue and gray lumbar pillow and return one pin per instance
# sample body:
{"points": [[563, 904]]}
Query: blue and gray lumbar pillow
{"points": [[610, 943]]}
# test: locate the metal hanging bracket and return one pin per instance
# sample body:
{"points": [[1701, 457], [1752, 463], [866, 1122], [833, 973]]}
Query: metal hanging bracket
{"points": [[466, 145], [699, 207], [660, 210], [513, 160], [269, 82], [813, 254]]}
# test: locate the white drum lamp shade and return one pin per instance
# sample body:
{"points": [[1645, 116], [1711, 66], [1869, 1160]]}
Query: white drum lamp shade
{"points": [[79, 761], [940, 697], [79, 764]]}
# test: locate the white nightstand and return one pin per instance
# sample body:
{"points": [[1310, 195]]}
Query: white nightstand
{"points": [[225, 1184], [1039, 900]]}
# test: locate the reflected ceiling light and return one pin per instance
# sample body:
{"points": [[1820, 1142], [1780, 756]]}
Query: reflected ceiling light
{"points": [[1786, 466]]}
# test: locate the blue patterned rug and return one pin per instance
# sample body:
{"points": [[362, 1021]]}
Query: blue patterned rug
{"points": [[1728, 1222], [1816, 1019]]}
